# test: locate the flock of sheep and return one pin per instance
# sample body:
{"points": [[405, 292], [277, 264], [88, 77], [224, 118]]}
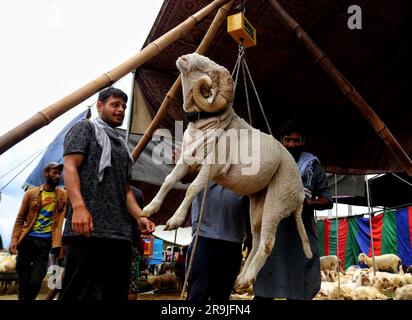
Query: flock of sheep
{"points": [[390, 280], [7, 262], [357, 283]]}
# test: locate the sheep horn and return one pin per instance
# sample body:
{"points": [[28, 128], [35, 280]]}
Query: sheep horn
{"points": [[223, 95]]}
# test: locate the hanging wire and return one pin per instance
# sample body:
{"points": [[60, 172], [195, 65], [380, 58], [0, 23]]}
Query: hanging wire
{"points": [[236, 68], [247, 96], [241, 61], [22, 170], [20, 164], [257, 96]]}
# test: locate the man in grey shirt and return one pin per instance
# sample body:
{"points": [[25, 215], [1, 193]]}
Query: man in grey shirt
{"points": [[218, 252], [102, 205], [287, 272]]}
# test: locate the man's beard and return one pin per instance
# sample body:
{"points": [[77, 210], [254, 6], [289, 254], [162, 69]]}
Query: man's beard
{"points": [[295, 152], [53, 183]]}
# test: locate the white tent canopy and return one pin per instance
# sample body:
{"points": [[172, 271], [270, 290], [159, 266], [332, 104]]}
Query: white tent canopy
{"points": [[183, 236]]}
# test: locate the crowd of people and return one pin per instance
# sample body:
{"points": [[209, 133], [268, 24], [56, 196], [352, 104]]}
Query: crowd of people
{"points": [[103, 213]]}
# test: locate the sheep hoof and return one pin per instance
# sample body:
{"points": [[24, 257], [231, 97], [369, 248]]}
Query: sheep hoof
{"points": [[150, 209], [172, 225], [242, 283]]}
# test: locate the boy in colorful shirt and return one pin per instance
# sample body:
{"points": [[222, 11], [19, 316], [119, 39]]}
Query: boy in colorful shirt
{"points": [[38, 229]]}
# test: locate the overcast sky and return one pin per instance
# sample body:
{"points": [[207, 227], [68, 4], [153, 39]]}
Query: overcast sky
{"points": [[49, 49]]}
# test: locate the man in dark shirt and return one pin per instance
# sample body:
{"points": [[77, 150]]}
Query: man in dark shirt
{"points": [[98, 229], [287, 272]]}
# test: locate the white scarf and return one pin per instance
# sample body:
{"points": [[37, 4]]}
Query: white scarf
{"points": [[103, 132]]}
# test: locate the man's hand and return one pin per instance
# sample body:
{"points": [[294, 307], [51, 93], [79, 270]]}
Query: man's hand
{"points": [[13, 248], [146, 225], [82, 221]]}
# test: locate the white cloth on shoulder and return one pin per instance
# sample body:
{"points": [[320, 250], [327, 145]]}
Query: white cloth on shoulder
{"points": [[103, 134]]}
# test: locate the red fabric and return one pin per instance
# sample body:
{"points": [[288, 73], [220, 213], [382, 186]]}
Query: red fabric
{"points": [[342, 236], [377, 223]]}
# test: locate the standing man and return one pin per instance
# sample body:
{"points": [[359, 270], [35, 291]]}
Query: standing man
{"points": [[38, 229], [218, 254], [98, 230], [287, 272]]}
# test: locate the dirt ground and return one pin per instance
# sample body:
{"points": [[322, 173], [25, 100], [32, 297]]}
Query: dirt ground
{"points": [[176, 296], [141, 296]]}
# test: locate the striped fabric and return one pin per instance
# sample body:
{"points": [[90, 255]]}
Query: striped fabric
{"points": [[347, 237]]}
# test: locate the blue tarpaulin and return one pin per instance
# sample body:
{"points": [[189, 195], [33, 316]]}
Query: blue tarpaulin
{"points": [[54, 152]]}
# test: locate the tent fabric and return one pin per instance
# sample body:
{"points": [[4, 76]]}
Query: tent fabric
{"points": [[347, 185], [347, 237], [155, 162], [388, 191], [376, 60], [180, 236], [54, 152]]}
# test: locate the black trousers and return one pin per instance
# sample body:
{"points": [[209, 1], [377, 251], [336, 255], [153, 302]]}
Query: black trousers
{"points": [[31, 265], [96, 269], [215, 267]]}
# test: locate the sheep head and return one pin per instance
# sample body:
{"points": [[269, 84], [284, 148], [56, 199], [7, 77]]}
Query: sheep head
{"points": [[206, 85], [362, 258]]}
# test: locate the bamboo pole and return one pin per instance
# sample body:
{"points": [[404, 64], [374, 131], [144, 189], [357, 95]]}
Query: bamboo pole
{"points": [[47, 115], [173, 91], [345, 86]]}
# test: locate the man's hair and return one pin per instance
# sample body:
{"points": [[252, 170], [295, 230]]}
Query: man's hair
{"points": [[111, 92], [292, 125]]}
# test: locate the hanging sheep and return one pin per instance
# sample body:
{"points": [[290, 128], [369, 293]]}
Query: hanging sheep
{"points": [[271, 178]]}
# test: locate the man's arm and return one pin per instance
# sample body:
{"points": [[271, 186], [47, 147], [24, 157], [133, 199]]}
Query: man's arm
{"points": [[20, 220], [135, 211], [323, 200], [321, 203], [82, 221]]}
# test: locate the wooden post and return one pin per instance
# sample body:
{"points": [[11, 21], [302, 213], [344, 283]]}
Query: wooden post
{"points": [[345, 86], [173, 91], [47, 115]]}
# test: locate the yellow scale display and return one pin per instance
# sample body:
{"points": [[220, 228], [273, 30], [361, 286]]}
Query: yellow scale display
{"points": [[241, 29]]}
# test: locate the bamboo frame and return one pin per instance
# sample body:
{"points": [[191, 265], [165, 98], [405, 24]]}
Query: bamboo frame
{"points": [[47, 115], [345, 86], [173, 91]]}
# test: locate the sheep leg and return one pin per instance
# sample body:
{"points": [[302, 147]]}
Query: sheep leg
{"points": [[206, 172], [265, 246], [273, 213], [179, 171], [256, 211]]}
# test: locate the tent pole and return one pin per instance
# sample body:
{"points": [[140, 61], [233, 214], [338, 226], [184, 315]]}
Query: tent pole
{"points": [[47, 115], [345, 86], [370, 224], [171, 94], [337, 231], [172, 263]]}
